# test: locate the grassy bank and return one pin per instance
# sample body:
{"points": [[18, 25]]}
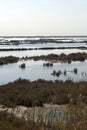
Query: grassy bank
{"points": [[8, 59], [30, 94], [77, 121], [72, 116], [63, 57]]}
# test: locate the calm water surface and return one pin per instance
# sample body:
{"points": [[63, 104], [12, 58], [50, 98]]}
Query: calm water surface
{"points": [[40, 52], [34, 70], [43, 45]]}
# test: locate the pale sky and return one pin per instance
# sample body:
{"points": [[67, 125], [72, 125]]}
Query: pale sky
{"points": [[43, 17]]}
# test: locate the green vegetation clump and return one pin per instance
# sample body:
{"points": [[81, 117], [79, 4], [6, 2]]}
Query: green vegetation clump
{"points": [[22, 66], [65, 72], [75, 70], [63, 57], [8, 59], [56, 73], [48, 64]]}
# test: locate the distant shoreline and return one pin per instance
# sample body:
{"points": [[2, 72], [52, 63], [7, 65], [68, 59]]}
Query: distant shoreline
{"points": [[44, 48], [43, 36]]}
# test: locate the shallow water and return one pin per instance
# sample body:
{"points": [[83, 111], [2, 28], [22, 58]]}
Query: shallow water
{"points": [[23, 38], [34, 70], [42, 45], [40, 52]]}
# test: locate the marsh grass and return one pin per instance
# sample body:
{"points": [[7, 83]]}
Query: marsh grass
{"points": [[74, 117]]}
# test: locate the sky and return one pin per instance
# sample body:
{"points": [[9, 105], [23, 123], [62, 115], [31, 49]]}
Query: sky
{"points": [[43, 17]]}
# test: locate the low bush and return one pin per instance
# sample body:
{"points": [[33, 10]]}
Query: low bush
{"points": [[26, 93]]}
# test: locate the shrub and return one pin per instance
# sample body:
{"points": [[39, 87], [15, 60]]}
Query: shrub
{"points": [[22, 65], [75, 70]]}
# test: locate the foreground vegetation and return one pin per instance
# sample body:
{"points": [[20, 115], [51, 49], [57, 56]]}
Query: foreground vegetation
{"points": [[77, 121], [30, 94], [36, 93], [10, 122]]}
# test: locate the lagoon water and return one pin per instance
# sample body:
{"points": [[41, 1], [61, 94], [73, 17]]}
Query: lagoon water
{"points": [[34, 70], [40, 52], [42, 45]]}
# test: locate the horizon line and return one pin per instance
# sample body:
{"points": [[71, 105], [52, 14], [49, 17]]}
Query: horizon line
{"points": [[43, 35]]}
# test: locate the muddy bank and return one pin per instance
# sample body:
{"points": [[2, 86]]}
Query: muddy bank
{"points": [[41, 48], [62, 57], [9, 59], [18, 49], [36, 93], [51, 57]]}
